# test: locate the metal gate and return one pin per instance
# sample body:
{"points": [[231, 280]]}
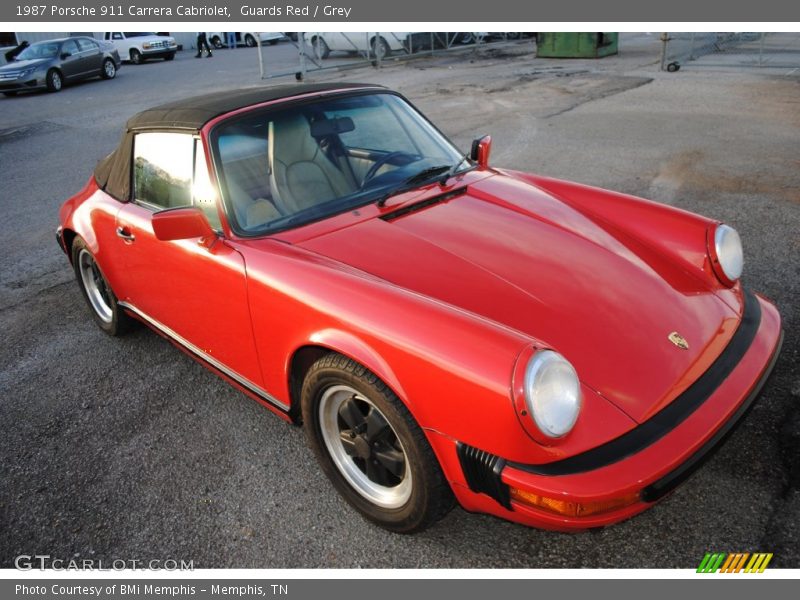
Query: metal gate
{"points": [[731, 50], [317, 51]]}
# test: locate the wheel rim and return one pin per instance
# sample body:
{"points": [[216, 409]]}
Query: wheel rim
{"points": [[110, 68], [56, 79], [95, 285], [364, 447]]}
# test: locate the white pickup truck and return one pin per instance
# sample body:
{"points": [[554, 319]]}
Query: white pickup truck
{"points": [[137, 47]]}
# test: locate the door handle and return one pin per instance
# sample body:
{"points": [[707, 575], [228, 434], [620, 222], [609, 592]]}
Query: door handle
{"points": [[125, 234]]}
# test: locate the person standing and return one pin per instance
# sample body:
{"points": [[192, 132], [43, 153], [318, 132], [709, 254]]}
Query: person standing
{"points": [[231, 39], [202, 42]]}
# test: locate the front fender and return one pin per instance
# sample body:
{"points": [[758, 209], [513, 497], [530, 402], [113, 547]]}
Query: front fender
{"points": [[355, 348]]}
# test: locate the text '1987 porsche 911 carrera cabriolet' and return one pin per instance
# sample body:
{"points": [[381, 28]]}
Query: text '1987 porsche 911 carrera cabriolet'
{"points": [[550, 353]]}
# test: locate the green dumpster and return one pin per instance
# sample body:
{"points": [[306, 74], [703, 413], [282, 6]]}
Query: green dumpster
{"points": [[576, 45]]}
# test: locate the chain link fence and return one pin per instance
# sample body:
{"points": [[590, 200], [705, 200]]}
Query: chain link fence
{"points": [[734, 50]]}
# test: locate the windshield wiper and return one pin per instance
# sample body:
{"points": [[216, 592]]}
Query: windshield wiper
{"points": [[412, 182], [452, 170]]}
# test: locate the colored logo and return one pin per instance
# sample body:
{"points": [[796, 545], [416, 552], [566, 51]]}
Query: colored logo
{"points": [[734, 563], [677, 339]]}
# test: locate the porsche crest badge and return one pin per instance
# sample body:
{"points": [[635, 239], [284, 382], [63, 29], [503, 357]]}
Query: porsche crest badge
{"points": [[677, 339]]}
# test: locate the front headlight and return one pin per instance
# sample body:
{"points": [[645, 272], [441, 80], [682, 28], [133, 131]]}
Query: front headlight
{"points": [[552, 393], [146, 45], [728, 248]]}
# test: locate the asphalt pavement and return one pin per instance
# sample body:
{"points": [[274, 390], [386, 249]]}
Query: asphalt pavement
{"points": [[127, 449]]}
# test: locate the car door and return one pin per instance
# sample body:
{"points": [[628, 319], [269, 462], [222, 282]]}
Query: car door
{"points": [[70, 63], [91, 57], [345, 41], [195, 294]]}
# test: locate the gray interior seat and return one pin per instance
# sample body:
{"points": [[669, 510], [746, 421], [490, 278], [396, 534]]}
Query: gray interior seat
{"points": [[300, 172], [251, 213]]}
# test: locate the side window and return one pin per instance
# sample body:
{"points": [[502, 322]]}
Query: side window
{"points": [[204, 194], [107, 36], [162, 168], [117, 36], [86, 44], [69, 47]]}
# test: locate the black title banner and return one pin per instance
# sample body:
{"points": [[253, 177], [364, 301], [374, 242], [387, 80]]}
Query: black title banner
{"points": [[406, 11]]}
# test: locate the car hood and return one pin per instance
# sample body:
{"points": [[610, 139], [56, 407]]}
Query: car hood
{"points": [[515, 255], [20, 65]]}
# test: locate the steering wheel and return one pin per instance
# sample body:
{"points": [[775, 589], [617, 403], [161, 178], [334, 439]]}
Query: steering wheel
{"points": [[386, 159]]}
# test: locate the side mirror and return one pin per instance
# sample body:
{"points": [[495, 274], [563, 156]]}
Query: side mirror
{"points": [[481, 148], [65, 55], [182, 224]]}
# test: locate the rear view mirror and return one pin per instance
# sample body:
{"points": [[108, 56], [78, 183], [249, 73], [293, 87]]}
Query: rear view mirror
{"points": [[324, 127], [182, 224], [481, 148]]}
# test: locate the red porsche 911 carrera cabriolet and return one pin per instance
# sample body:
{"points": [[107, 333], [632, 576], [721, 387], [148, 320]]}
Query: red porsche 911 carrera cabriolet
{"points": [[554, 354]]}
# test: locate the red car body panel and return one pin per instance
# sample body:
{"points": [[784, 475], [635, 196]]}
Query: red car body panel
{"points": [[446, 303]]}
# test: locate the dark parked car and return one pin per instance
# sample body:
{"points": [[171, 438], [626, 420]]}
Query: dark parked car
{"points": [[52, 63]]}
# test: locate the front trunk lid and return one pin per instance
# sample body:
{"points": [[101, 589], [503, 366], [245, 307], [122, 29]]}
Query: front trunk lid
{"points": [[516, 256]]}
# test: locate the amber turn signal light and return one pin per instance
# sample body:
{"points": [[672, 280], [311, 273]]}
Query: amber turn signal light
{"points": [[572, 509]]}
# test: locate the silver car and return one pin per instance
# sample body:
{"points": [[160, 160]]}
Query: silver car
{"points": [[52, 63]]}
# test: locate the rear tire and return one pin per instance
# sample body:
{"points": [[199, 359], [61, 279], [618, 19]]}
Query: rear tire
{"points": [[54, 81], [380, 48], [216, 42], [109, 70], [136, 57], [98, 294], [370, 447]]}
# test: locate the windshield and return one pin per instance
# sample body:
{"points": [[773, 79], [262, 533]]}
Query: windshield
{"points": [[41, 50], [284, 168], [130, 34]]}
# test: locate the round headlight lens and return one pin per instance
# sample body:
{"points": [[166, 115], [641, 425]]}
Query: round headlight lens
{"points": [[728, 246], [552, 393]]}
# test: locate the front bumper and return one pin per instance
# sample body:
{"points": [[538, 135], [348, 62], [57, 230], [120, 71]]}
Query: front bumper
{"points": [[159, 52], [30, 82], [646, 473]]}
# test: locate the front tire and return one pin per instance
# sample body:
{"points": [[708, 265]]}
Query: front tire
{"points": [[170, 56], [320, 48], [97, 293], [370, 447], [54, 81], [136, 56], [109, 69], [249, 41]]}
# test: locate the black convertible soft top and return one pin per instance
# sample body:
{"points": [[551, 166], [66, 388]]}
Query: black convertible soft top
{"points": [[191, 114]]}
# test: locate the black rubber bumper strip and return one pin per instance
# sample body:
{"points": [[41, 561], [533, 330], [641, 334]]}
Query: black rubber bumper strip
{"points": [[669, 417], [673, 479]]}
